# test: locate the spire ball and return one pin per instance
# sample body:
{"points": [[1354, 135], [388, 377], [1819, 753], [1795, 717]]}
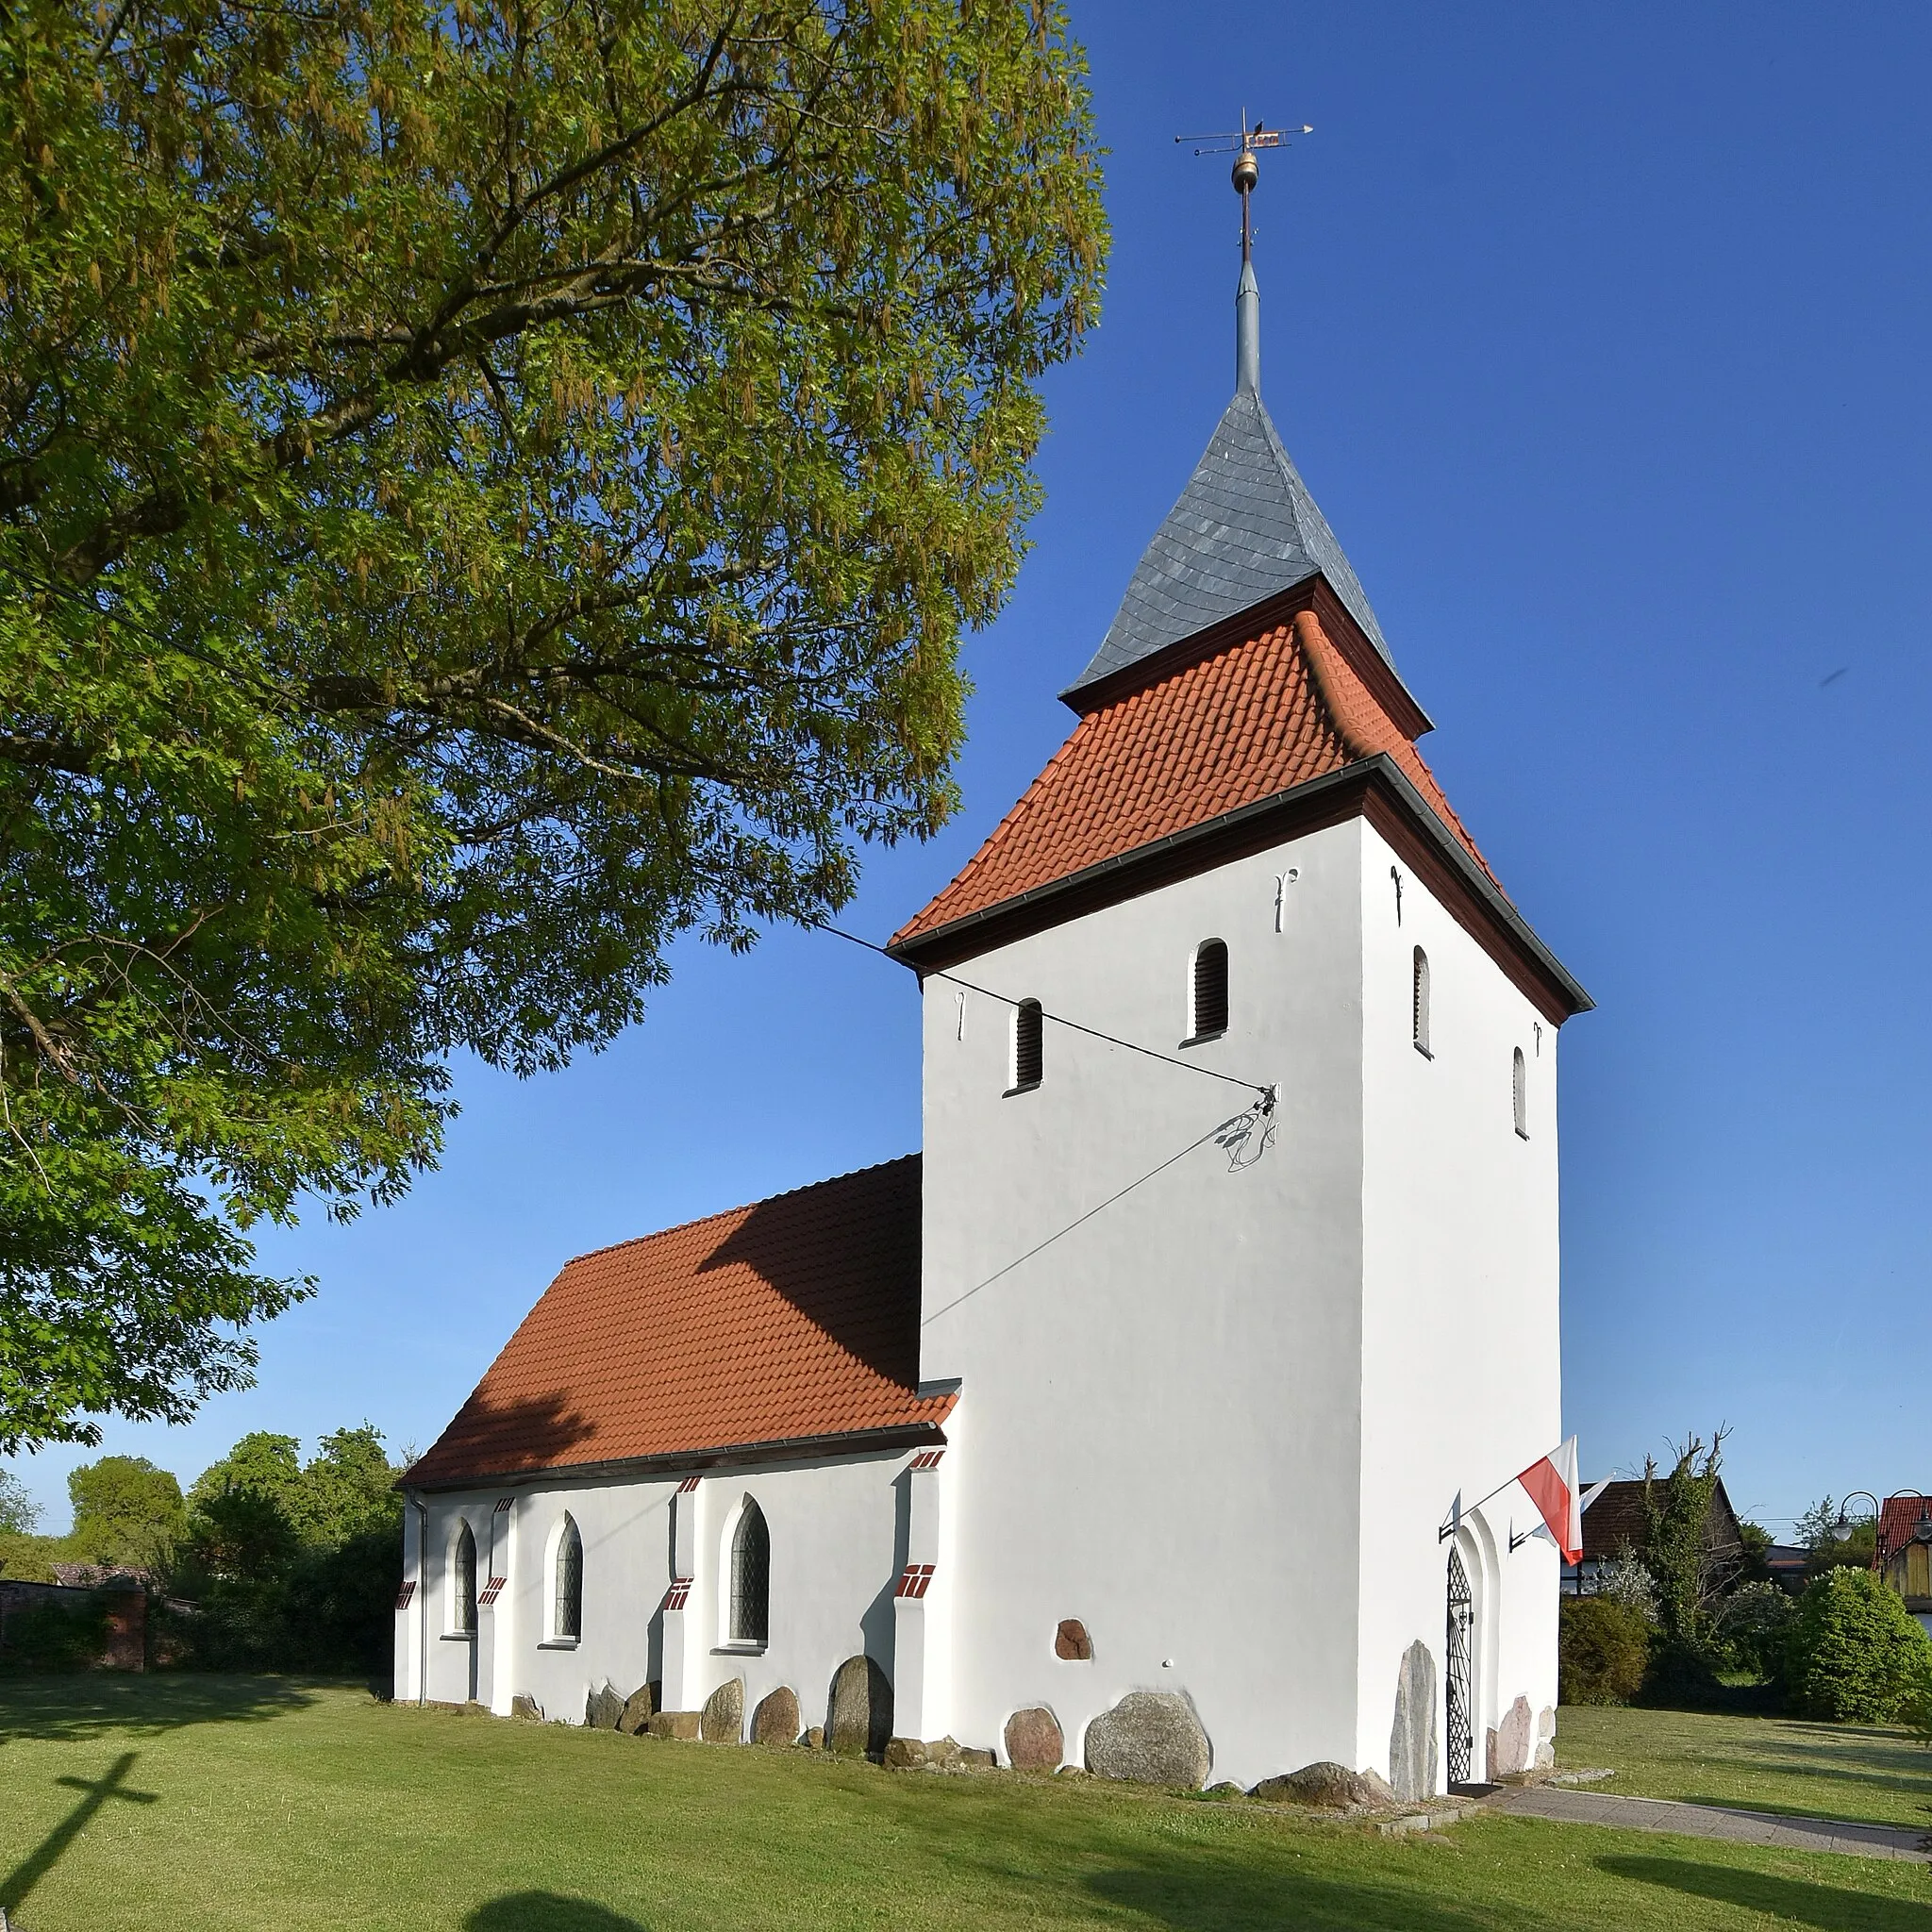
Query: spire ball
{"points": [[1247, 171]]}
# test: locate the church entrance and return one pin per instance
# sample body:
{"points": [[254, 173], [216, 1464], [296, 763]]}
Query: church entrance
{"points": [[1457, 1647]]}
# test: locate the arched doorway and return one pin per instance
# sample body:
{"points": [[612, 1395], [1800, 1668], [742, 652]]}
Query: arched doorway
{"points": [[1458, 1648]]}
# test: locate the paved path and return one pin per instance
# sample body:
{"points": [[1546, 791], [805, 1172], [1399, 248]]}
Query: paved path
{"points": [[1711, 1820]]}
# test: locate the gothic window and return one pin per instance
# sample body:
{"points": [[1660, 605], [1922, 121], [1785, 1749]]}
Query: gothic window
{"points": [[1207, 1009], [1419, 1010], [1028, 1048], [567, 1617], [751, 1576], [463, 1583], [1519, 1092]]}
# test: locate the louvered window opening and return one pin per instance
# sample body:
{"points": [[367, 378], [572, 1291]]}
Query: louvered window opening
{"points": [[1519, 1092], [751, 1578], [1209, 1015], [569, 1620], [1029, 1055], [463, 1594], [1420, 1007]]}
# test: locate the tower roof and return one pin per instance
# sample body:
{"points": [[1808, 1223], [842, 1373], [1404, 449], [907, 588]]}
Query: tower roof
{"points": [[1244, 529]]}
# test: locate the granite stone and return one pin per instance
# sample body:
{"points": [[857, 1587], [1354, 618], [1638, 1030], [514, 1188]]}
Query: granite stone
{"points": [[723, 1719], [859, 1720], [1412, 1756], [1151, 1738], [775, 1720], [1033, 1741]]}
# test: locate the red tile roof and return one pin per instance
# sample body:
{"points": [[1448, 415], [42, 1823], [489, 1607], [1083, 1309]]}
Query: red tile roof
{"points": [[1898, 1523], [1241, 724], [796, 1317]]}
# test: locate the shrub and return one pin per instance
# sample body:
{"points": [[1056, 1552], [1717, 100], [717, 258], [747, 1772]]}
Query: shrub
{"points": [[1754, 1627], [1603, 1651], [56, 1636], [1856, 1655]]}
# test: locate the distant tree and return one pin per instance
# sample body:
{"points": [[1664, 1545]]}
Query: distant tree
{"points": [[347, 1490], [484, 491], [1832, 1540], [268, 1465], [126, 1512], [20, 1515], [1753, 1557], [1690, 1571]]}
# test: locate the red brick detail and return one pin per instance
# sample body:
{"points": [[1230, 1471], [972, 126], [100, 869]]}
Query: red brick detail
{"points": [[679, 1593], [793, 1318], [1246, 722], [927, 1459], [689, 1485], [403, 1594], [914, 1580], [491, 1591]]}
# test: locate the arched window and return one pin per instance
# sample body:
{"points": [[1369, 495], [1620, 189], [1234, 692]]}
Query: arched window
{"points": [[1208, 1009], [1420, 1006], [462, 1582], [751, 1576], [1519, 1092], [567, 1617], [1028, 1051]]}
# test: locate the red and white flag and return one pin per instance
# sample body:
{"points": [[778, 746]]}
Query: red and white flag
{"points": [[1551, 1483]]}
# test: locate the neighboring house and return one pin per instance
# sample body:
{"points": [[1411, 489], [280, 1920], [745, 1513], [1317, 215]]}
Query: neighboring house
{"points": [[1614, 1526], [1157, 1372], [1903, 1552], [1789, 1566]]}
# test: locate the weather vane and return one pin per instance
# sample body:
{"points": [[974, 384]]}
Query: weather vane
{"points": [[1247, 168]]}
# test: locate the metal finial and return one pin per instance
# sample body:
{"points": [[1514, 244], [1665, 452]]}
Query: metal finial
{"points": [[1247, 297]]}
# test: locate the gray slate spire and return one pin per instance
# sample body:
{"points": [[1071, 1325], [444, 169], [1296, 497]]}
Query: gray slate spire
{"points": [[1246, 527]]}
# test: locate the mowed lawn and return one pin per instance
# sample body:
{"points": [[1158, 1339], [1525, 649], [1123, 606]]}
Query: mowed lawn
{"points": [[220, 1802]]}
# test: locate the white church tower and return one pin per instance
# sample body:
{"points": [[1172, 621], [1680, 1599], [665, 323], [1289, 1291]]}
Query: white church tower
{"points": [[1234, 1325]]}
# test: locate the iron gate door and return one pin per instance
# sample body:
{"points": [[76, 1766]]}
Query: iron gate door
{"points": [[1461, 1621]]}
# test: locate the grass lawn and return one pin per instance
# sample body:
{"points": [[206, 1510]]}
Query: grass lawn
{"points": [[1765, 1763], [215, 1803]]}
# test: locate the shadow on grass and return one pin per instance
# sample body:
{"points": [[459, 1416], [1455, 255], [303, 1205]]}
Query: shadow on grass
{"points": [[546, 1911], [48, 1853], [74, 1709], [1202, 1892], [1787, 1901]]}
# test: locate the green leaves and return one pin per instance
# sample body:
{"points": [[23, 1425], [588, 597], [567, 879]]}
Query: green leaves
{"points": [[481, 493]]}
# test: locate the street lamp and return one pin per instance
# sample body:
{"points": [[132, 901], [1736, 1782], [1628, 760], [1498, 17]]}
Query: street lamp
{"points": [[1843, 1522]]}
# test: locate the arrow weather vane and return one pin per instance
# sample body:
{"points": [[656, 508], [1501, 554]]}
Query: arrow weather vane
{"points": [[1247, 169]]}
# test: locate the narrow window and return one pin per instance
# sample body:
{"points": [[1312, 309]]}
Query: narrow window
{"points": [[1027, 1052], [569, 1614], [1420, 1012], [751, 1576], [1209, 1009], [463, 1583], [1519, 1092]]}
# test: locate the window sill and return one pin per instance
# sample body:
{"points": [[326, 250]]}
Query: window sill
{"points": [[738, 1650], [1202, 1039], [460, 1637], [558, 1642], [1025, 1087]]}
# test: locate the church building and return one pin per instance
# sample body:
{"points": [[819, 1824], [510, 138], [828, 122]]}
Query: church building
{"points": [[1128, 1424]]}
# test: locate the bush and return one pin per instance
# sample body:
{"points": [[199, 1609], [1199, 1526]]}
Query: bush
{"points": [[1682, 1674], [54, 1636], [1856, 1655], [1753, 1625], [1603, 1651]]}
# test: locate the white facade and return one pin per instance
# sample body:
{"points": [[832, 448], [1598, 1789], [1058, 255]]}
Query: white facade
{"points": [[1214, 1404]]}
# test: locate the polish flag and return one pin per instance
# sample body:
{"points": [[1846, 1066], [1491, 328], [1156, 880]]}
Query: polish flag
{"points": [[1551, 1483]]}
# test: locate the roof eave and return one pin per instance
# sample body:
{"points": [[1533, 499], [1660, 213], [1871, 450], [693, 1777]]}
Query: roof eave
{"points": [[684, 1462], [1330, 799]]}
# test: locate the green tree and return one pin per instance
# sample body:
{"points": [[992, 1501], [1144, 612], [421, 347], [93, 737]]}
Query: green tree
{"points": [[1832, 1540], [1691, 1570], [268, 1465], [483, 491], [20, 1515], [1857, 1655], [348, 1489], [126, 1512]]}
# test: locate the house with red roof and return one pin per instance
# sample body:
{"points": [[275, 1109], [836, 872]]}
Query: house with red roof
{"points": [[1130, 1424]]}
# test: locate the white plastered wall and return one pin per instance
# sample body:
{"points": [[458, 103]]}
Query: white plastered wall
{"points": [[837, 1548], [1158, 1429], [1460, 1365]]}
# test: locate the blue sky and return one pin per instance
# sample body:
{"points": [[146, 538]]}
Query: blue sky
{"points": [[1600, 336]]}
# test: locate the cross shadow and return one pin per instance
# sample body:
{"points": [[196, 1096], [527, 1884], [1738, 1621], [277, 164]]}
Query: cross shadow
{"points": [[47, 1854], [1785, 1901], [546, 1911]]}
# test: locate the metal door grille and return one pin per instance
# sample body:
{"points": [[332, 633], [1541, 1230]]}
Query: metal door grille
{"points": [[1461, 1621]]}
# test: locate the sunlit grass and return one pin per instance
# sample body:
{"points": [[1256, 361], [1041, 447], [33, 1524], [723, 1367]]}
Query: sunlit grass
{"points": [[236, 1802]]}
